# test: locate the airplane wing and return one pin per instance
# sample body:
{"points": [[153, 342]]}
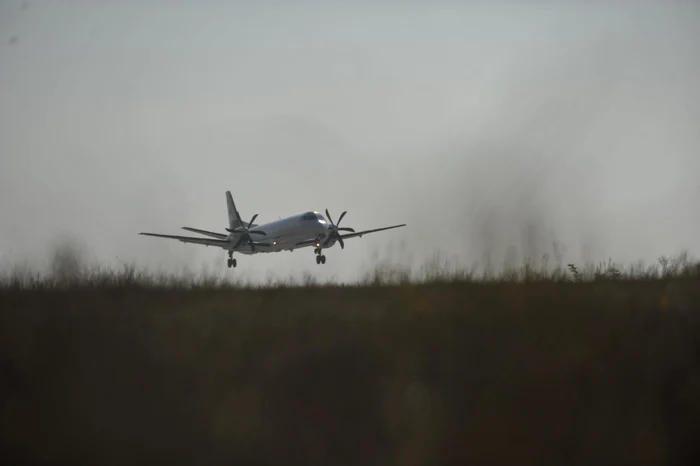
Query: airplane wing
{"points": [[205, 241], [360, 233], [189, 239], [306, 242], [207, 233]]}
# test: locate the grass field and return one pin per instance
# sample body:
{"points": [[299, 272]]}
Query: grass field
{"points": [[593, 366]]}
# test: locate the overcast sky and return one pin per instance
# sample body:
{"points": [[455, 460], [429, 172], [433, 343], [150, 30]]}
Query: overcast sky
{"points": [[483, 127]]}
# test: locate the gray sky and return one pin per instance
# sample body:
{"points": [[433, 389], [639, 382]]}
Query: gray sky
{"points": [[483, 127]]}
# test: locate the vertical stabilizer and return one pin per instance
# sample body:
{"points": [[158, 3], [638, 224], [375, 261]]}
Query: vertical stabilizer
{"points": [[232, 217]]}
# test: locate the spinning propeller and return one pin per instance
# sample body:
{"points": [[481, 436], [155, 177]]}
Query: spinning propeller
{"points": [[335, 229], [246, 232]]}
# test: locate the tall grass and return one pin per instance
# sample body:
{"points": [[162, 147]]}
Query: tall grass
{"points": [[540, 364], [67, 271]]}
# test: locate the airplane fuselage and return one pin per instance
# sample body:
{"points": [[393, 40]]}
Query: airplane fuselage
{"points": [[285, 233]]}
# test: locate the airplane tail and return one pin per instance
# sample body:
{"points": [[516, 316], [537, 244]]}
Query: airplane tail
{"points": [[232, 217]]}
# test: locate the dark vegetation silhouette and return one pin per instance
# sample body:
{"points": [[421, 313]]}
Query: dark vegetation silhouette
{"points": [[595, 364]]}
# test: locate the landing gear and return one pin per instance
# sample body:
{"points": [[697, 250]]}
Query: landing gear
{"points": [[231, 261], [320, 258]]}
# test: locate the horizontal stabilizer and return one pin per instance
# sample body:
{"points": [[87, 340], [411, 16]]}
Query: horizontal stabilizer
{"points": [[241, 230], [205, 232]]}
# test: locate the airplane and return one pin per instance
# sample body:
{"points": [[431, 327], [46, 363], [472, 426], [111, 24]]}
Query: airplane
{"points": [[286, 234]]}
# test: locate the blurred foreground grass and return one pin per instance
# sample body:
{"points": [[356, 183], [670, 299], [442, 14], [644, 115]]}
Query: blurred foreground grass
{"points": [[594, 366]]}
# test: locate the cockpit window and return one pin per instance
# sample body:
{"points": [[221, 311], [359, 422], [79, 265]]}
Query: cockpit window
{"points": [[313, 216]]}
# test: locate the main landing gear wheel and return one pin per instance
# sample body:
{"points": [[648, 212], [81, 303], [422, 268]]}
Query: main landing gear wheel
{"points": [[320, 258], [231, 261]]}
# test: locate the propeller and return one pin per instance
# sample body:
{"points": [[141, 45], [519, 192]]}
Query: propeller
{"points": [[335, 229], [246, 232]]}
